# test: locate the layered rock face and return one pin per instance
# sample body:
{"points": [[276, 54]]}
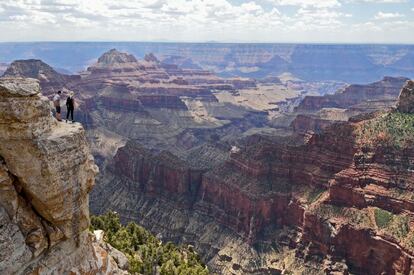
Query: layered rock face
{"points": [[46, 173], [148, 76], [337, 201]]}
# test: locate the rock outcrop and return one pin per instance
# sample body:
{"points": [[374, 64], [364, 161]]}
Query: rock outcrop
{"points": [[406, 100], [46, 173]]}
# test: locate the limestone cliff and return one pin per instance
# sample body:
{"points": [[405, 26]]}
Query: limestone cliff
{"points": [[46, 173]]}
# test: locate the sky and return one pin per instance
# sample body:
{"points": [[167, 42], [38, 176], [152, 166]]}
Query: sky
{"points": [[297, 21]]}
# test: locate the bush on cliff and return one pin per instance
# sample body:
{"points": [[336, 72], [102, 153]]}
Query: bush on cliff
{"points": [[146, 253], [382, 217], [394, 129]]}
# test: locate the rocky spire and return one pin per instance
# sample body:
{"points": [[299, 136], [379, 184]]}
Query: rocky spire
{"points": [[406, 99]]}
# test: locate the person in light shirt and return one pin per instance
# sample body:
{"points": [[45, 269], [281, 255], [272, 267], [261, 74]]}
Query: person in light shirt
{"points": [[56, 103]]}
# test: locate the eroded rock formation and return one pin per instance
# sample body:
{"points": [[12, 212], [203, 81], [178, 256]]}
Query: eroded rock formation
{"points": [[46, 173]]}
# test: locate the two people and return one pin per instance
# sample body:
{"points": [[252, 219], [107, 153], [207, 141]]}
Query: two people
{"points": [[70, 105]]}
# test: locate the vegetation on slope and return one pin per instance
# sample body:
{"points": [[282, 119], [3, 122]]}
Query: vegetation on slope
{"points": [[146, 253], [392, 129], [382, 217]]}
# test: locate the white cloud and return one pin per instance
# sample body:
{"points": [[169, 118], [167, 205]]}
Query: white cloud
{"points": [[308, 3], [192, 20], [384, 15], [379, 1]]}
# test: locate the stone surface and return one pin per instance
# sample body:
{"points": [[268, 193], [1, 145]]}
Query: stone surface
{"points": [[46, 173]]}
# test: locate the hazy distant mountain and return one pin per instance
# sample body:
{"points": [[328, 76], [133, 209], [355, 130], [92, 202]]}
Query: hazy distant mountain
{"points": [[312, 62]]}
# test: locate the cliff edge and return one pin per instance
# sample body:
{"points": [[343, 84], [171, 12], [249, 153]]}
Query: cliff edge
{"points": [[46, 174]]}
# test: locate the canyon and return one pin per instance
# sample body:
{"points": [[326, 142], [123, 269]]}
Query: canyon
{"points": [[272, 175], [312, 204]]}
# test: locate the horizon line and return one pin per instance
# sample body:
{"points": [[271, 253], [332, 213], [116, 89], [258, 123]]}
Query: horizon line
{"points": [[208, 42]]}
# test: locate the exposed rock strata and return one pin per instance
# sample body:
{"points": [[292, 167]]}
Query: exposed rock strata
{"points": [[46, 173]]}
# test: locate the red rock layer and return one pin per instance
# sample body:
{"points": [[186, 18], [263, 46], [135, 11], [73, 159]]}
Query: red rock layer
{"points": [[158, 175], [304, 123]]}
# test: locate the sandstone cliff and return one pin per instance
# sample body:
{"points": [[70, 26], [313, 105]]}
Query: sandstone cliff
{"points": [[46, 173]]}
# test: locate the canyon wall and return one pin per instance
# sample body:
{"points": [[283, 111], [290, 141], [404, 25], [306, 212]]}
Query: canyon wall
{"points": [[46, 173]]}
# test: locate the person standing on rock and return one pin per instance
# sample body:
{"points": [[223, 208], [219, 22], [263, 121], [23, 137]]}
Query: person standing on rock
{"points": [[70, 105], [56, 103]]}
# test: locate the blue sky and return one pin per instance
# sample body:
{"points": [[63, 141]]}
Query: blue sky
{"points": [[330, 21]]}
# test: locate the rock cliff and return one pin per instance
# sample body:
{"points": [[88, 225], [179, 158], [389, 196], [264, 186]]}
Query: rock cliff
{"points": [[46, 173]]}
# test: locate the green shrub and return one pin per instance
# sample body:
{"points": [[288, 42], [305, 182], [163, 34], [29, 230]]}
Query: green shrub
{"points": [[382, 217], [393, 129], [147, 254]]}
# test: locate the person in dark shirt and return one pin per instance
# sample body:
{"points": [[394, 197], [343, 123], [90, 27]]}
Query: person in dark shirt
{"points": [[70, 105]]}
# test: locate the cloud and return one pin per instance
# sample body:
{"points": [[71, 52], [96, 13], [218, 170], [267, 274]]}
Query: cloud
{"points": [[308, 3], [192, 20], [378, 1], [384, 15]]}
